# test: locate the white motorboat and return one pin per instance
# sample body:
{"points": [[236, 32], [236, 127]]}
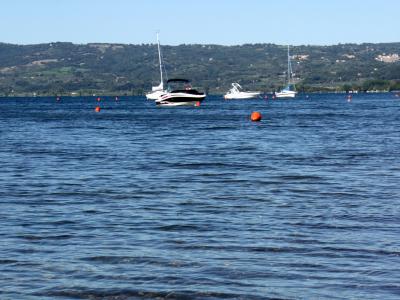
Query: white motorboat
{"points": [[236, 93], [180, 92], [289, 91], [157, 91]]}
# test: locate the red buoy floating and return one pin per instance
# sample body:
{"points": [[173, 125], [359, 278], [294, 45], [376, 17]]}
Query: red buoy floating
{"points": [[255, 116], [98, 99], [197, 103], [97, 109]]}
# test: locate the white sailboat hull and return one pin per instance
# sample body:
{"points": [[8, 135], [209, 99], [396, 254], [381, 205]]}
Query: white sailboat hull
{"points": [[154, 95], [286, 94]]}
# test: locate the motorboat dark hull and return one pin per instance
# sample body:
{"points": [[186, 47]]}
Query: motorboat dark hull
{"points": [[177, 98]]}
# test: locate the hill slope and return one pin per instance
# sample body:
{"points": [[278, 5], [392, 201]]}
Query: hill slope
{"points": [[64, 68]]}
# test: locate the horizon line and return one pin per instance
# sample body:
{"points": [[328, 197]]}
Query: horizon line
{"points": [[202, 44]]}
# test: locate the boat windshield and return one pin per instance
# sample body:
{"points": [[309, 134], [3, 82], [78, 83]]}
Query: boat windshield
{"points": [[235, 88], [178, 84]]}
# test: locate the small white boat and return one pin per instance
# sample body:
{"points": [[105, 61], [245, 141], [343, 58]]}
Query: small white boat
{"points": [[289, 91], [180, 92], [157, 91], [236, 93], [286, 93]]}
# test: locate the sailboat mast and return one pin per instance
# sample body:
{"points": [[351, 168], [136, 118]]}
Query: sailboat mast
{"points": [[159, 58], [288, 65]]}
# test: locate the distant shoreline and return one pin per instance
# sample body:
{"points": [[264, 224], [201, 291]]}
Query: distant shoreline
{"points": [[270, 94]]}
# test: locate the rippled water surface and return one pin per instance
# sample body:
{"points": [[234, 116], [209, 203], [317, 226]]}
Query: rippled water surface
{"points": [[139, 202]]}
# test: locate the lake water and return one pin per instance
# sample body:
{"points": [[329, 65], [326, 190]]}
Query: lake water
{"points": [[143, 202]]}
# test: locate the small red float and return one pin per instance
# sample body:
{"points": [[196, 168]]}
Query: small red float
{"points": [[97, 109], [255, 116]]}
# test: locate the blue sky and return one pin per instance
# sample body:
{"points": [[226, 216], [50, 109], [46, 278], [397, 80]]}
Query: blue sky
{"points": [[312, 22]]}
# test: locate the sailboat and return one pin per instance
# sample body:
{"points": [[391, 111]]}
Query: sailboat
{"points": [[157, 91], [289, 91]]}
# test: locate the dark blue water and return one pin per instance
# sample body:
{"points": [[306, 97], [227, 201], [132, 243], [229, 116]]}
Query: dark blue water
{"points": [[142, 202]]}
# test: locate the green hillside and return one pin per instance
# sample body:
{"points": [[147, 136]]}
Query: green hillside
{"points": [[65, 68]]}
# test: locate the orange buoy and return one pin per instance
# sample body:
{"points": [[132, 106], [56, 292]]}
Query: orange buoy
{"points": [[97, 109], [197, 103], [98, 99], [255, 116]]}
